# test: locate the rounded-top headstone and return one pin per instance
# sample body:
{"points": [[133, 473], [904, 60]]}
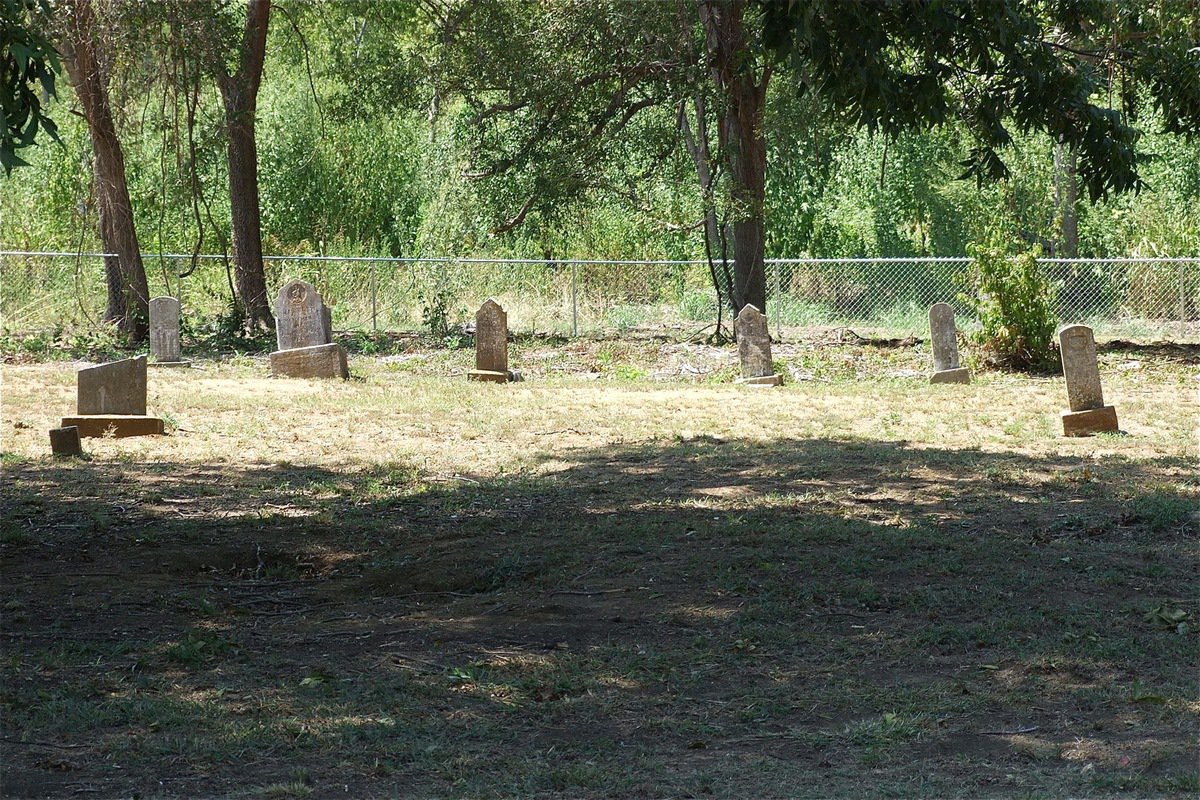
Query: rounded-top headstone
{"points": [[164, 329], [943, 337], [301, 317], [754, 343], [1077, 345]]}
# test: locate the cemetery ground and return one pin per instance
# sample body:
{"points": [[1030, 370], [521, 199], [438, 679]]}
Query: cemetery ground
{"points": [[622, 577]]}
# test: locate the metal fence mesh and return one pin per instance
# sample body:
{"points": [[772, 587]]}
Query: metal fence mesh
{"points": [[1139, 299]]}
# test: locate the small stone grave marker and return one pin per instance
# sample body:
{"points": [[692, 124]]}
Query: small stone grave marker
{"points": [[65, 441], [491, 344], [164, 332], [944, 337], [1087, 414], [754, 348], [111, 400]]}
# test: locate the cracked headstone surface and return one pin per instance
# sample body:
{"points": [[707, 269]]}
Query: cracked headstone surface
{"points": [[754, 348]]}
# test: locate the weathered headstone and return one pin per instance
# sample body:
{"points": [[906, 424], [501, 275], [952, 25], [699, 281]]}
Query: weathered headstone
{"points": [[1087, 414], [164, 332], [301, 317], [319, 361], [111, 401], [116, 388], [491, 344], [754, 348], [65, 441], [944, 337], [304, 332]]}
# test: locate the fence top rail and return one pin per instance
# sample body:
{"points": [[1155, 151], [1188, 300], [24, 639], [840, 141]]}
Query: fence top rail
{"points": [[606, 261]]}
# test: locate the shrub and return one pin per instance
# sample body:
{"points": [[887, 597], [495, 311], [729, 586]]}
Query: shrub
{"points": [[1014, 302]]}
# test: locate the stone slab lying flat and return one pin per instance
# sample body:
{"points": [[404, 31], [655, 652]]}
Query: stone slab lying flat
{"points": [[959, 375], [762, 380], [121, 425], [487, 376], [1093, 420], [65, 441], [318, 361]]}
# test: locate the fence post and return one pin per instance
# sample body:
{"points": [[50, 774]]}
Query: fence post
{"points": [[374, 284], [775, 302], [574, 300], [1182, 301]]}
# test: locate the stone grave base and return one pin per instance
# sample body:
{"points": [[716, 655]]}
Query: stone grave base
{"points": [[1094, 420], [121, 425], [318, 361], [761, 380], [489, 376], [960, 375], [180, 364], [65, 441]]}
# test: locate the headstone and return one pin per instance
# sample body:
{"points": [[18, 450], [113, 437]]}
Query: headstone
{"points": [[164, 332], [319, 361], [116, 388], [304, 331], [754, 348], [944, 337], [112, 401], [301, 317], [491, 344], [65, 441], [1087, 414]]}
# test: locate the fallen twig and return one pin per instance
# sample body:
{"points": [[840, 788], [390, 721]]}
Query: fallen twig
{"points": [[1030, 729]]}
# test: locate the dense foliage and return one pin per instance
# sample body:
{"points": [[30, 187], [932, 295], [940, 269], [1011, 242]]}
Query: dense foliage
{"points": [[366, 146]]}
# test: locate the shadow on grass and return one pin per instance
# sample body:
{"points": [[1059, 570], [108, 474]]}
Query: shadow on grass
{"points": [[681, 617]]}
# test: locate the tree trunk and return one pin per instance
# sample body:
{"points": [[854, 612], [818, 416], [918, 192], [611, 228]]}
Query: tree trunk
{"points": [[128, 295], [239, 92], [742, 145], [1066, 201]]}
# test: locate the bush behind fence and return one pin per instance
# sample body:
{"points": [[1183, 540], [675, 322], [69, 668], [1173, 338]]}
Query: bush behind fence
{"points": [[1139, 299]]}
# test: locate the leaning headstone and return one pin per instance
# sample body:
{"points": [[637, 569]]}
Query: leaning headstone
{"points": [[111, 401], [944, 336], [304, 333], [65, 441], [754, 348], [164, 333], [491, 344], [301, 317], [1088, 414]]}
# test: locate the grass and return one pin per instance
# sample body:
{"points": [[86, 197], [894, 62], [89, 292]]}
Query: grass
{"points": [[622, 577]]}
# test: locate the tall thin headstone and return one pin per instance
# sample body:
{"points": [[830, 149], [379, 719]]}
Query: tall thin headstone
{"points": [[164, 332], [944, 338], [491, 344], [304, 333], [111, 400], [754, 348], [1087, 414]]}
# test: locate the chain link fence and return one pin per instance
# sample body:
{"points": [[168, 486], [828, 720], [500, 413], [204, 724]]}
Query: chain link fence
{"points": [[1138, 299]]}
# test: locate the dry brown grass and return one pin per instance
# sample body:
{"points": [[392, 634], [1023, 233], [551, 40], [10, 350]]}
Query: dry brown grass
{"points": [[595, 583]]}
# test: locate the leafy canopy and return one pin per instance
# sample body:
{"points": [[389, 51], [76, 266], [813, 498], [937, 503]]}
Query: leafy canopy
{"points": [[28, 65]]}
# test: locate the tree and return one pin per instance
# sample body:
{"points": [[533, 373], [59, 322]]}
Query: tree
{"points": [[28, 65], [557, 88], [87, 65], [239, 92]]}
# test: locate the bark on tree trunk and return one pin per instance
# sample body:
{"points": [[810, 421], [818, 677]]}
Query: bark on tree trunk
{"points": [[743, 147], [239, 93], [1066, 200], [128, 295]]}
